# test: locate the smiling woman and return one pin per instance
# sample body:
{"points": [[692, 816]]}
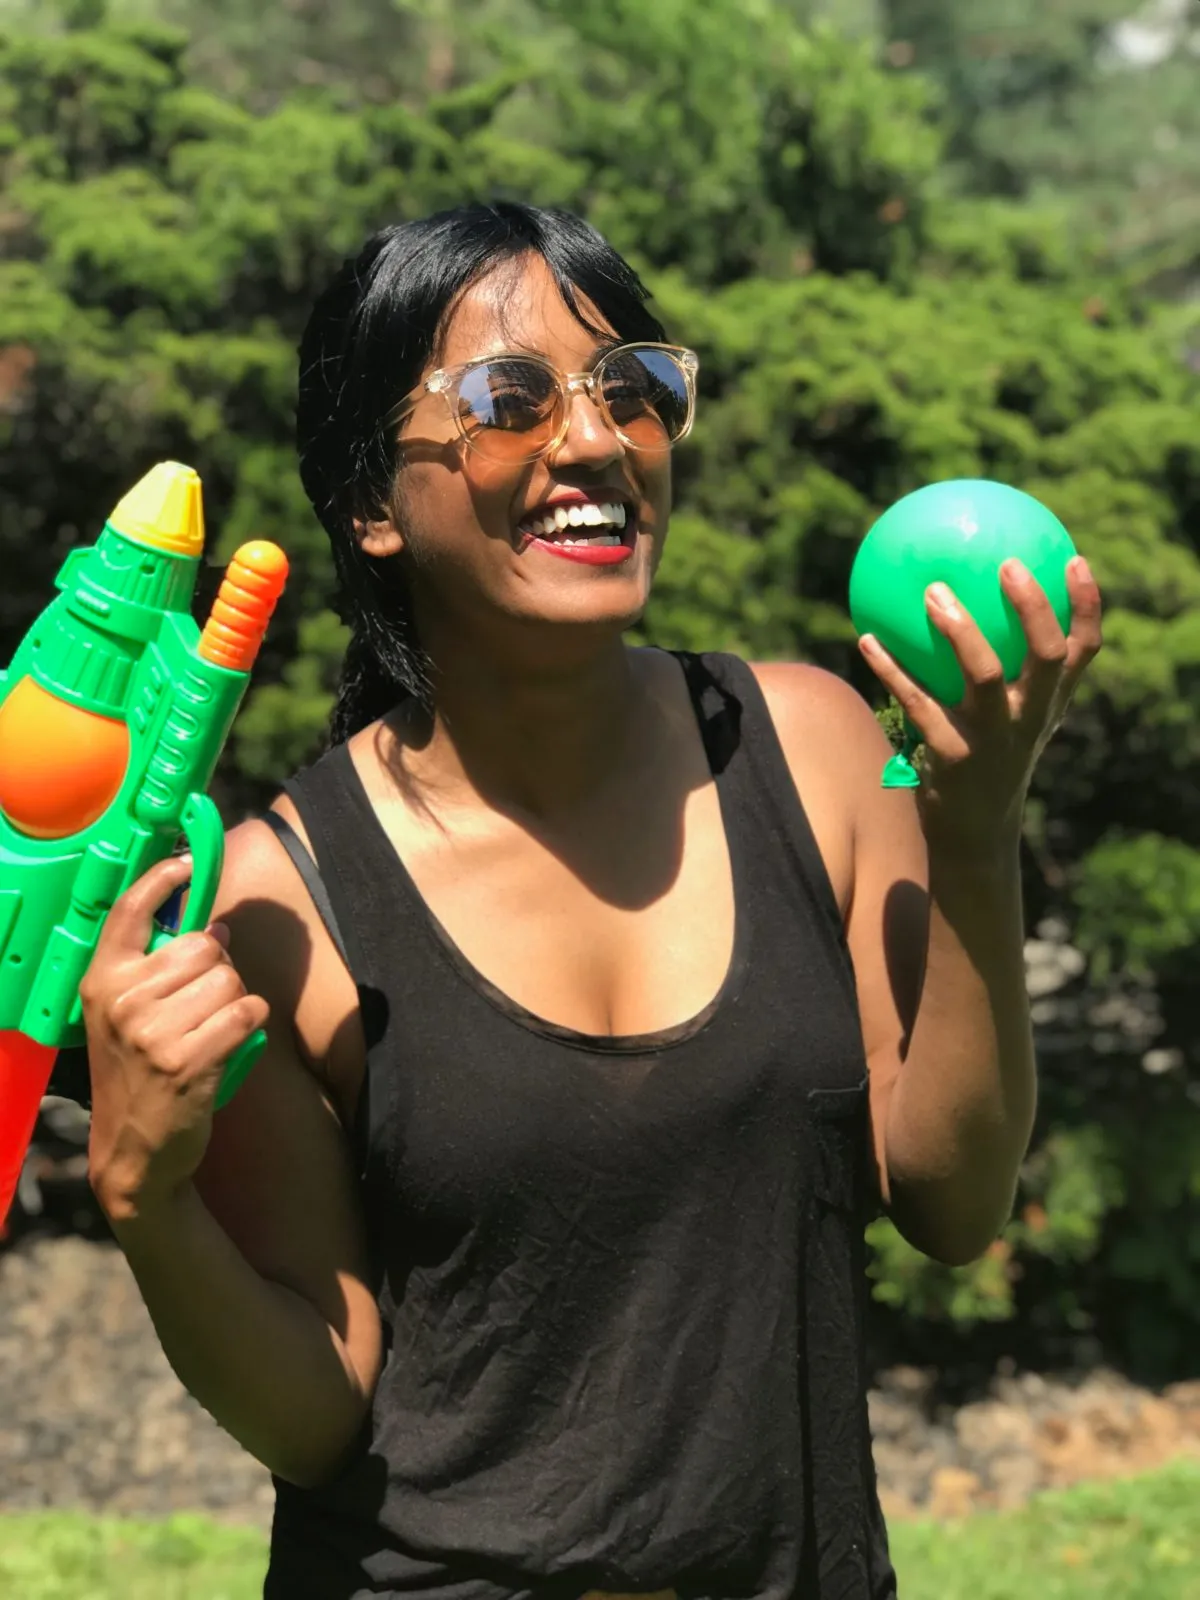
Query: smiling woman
{"points": [[483, 381], [609, 995]]}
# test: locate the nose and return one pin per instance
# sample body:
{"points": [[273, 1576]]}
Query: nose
{"points": [[590, 439]]}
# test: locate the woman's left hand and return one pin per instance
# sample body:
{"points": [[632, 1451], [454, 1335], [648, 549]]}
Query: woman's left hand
{"points": [[980, 754]]}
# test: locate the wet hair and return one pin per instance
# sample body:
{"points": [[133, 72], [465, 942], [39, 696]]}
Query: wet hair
{"points": [[368, 340]]}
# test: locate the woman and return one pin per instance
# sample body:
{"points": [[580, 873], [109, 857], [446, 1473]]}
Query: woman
{"points": [[530, 1257]]}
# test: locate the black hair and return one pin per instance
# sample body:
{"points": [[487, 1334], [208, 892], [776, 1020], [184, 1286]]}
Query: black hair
{"points": [[368, 339]]}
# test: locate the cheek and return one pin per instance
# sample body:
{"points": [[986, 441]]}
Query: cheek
{"points": [[494, 489], [441, 508], [656, 488], [470, 494], [423, 490]]}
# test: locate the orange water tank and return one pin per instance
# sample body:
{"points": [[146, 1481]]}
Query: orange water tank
{"points": [[60, 767]]}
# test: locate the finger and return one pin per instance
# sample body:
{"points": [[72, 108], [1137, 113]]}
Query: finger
{"points": [[153, 1019], [986, 693], [1086, 636], [930, 719], [215, 1040], [1046, 653], [181, 961], [159, 978], [130, 924]]}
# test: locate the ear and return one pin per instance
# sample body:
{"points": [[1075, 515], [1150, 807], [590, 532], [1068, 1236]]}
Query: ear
{"points": [[379, 538]]}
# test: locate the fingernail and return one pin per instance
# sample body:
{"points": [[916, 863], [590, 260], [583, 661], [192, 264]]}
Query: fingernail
{"points": [[1016, 570], [220, 932], [869, 645], [942, 597], [1081, 569], [185, 860]]}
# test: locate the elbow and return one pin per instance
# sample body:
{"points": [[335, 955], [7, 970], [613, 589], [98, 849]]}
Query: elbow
{"points": [[304, 1474], [320, 1444], [318, 1456], [312, 1469], [952, 1235], [959, 1252], [955, 1213]]}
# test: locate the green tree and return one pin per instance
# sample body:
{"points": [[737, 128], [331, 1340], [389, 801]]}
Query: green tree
{"points": [[1088, 105]]}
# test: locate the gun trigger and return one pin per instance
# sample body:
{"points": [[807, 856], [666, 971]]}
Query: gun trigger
{"points": [[168, 914]]}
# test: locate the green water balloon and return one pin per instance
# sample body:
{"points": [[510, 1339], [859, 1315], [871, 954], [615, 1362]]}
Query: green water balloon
{"points": [[959, 533]]}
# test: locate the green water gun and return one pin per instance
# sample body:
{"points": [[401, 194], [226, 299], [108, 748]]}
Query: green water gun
{"points": [[113, 714]]}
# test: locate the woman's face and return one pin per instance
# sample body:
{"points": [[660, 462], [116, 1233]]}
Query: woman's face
{"points": [[461, 523]]}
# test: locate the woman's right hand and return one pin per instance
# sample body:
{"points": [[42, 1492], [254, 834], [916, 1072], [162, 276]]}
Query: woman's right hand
{"points": [[160, 1028]]}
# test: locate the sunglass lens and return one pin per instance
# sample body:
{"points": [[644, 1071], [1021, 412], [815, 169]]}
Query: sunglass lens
{"points": [[509, 408], [647, 395]]}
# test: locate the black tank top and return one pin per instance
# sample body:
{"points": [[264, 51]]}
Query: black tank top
{"points": [[621, 1279]]}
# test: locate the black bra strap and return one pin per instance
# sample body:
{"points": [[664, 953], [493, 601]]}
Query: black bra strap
{"points": [[307, 868]]}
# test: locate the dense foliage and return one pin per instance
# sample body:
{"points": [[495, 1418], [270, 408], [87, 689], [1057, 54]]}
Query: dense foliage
{"points": [[862, 332], [1089, 105]]}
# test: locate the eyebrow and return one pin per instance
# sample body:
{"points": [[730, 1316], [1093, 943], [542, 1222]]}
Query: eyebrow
{"points": [[518, 348]]}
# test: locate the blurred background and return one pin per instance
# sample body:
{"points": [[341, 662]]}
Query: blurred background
{"points": [[911, 240]]}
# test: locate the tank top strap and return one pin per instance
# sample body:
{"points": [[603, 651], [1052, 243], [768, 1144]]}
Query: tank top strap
{"points": [[305, 864], [362, 899], [761, 800], [354, 859]]}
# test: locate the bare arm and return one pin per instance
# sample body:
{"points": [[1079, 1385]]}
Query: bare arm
{"points": [[949, 1038], [937, 948], [951, 1052], [242, 1229]]}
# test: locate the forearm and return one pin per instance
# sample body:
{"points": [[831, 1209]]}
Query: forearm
{"points": [[961, 1110], [260, 1358]]}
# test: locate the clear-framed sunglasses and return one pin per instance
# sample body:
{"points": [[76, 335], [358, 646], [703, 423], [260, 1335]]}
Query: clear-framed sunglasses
{"points": [[514, 408]]}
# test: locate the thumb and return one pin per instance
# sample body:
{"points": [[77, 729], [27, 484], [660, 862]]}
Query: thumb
{"points": [[129, 926]]}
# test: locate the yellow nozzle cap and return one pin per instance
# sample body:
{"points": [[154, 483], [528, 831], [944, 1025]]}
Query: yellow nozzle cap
{"points": [[164, 510]]}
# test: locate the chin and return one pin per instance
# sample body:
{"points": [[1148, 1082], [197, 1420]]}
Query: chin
{"points": [[609, 613]]}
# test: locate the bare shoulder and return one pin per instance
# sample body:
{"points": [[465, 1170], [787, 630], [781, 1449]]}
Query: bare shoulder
{"points": [[261, 900], [281, 947], [836, 750], [256, 862], [821, 720], [829, 737]]}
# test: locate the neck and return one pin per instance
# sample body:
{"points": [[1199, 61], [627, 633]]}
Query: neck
{"points": [[533, 739]]}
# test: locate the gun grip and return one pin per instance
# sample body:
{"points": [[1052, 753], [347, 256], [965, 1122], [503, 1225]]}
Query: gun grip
{"points": [[205, 834], [237, 1068]]}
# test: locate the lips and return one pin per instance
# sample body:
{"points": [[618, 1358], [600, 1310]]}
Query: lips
{"points": [[577, 521], [593, 529], [590, 555]]}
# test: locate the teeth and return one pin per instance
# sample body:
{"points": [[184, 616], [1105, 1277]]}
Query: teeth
{"points": [[553, 524]]}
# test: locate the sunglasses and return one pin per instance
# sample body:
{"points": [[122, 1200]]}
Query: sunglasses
{"points": [[515, 408]]}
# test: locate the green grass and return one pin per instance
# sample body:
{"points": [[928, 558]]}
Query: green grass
{"points": [[69, 1555], [1138, 1539], [1134, 1540]]}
